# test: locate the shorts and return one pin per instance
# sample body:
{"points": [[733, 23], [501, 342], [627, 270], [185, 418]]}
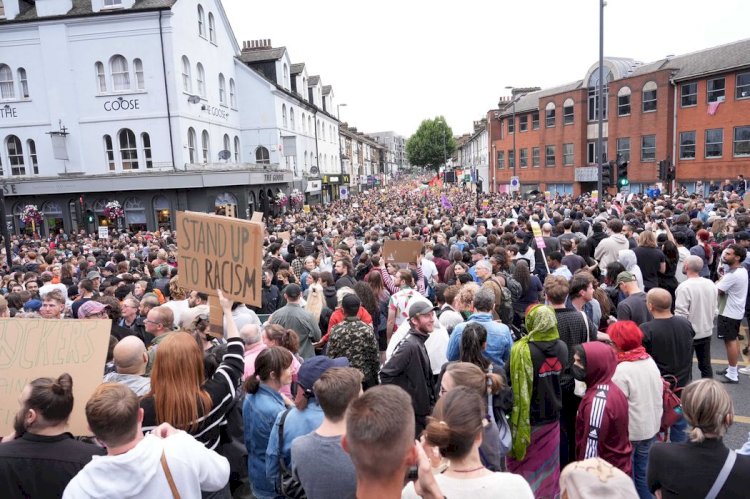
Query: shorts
{"points": [[728, 329]]}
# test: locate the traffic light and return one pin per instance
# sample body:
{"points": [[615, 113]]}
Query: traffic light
{"points": [[671, 172], [90, 218], [662, 170], [607, 174], [622, 172]]}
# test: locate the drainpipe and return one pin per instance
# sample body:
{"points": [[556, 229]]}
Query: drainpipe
{"points": [[674, 132], [166, 91]]}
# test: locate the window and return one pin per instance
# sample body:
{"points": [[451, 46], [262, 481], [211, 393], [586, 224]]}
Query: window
{"points": [[715, 89], [648, 148], [211, 28], [201, 22], [689, 94], [109, 152], [118, 66], [291, 117], [192, 139], [742, 87], [140, 84], [7, 90], [623, 101], [236, 149], [568, 111], [715, 143], [687, 145], [128, 149], [511, 125], [31, 146], [623, 148], [205, 142], [23, 84], [187, 79], [112, 3], [286, 76], [101, 79], [232, 94], [261, 156], [304, 123], [222, 89], [227, 145], [501, 159], [591, 152], [323, 131], [549, 156], [511, 159], [15, 155], [283, 116], [567, 154], [523, 158], [523, 122], [649, 97], [535, 120], [550, 115], [146, 141], [535, 156], [200, 79], [742, 141]]}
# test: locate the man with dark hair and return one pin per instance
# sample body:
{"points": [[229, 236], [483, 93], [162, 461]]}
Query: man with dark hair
{"points": [[318, 461], [138, 465], [344, 271], [608, 249], [409, 366], [554, 262], [356, 341], [86, 292], [40, 442], [732, 286], [293, 316]]}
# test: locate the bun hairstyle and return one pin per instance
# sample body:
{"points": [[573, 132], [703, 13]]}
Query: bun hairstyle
{"points": [[456, 422], [52, 398], [282, 337], [706, 405], [269, 361], [472, 376]]}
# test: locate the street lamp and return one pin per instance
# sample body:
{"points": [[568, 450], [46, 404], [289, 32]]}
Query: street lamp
{"points": [[514, 128]]}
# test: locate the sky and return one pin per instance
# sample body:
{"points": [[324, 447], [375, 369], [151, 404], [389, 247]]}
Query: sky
{"points": [[396, 63]]}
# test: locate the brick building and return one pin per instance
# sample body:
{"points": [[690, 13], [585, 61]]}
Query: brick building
{"points": [[693, 110]]}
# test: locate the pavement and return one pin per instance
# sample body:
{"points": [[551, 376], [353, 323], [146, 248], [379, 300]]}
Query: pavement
{"points": [[738, 432]]}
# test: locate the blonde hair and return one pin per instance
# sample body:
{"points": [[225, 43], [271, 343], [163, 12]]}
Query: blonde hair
{"points": [[315, 301], [706, 405], [465, 297]]}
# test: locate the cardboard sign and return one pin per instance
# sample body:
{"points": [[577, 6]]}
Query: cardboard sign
{"points": [[537, 231], [746, 200], [103, 232], [215, 314], [306, 208], [36, 348], [257, 217], [402, 251], [224, 253], [284, 236]]}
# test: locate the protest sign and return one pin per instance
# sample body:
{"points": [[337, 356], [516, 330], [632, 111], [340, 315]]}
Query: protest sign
{"points": [[401, 251], [224, 253], [257, 217], [103, 232], [35, 348], [306, 208], [284, 236]]}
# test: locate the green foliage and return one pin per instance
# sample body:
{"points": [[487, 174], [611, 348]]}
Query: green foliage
{"points": [[431, 144]]}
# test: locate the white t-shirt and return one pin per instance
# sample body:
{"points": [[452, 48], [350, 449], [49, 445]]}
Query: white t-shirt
{"points": [[429, 270], [734, 284], [494, 486]]}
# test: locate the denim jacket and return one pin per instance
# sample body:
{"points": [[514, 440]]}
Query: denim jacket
{"points": [[259, 412]]}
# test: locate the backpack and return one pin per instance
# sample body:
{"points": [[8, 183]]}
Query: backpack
{"points": [[503, 308], [516, 291], [671, 404]]}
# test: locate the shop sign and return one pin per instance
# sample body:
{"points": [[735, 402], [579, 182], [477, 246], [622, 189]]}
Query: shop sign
{"points": [[587, 174], [273, 177], [121, 104], [9, 188], [313, 185], [8, 112]]}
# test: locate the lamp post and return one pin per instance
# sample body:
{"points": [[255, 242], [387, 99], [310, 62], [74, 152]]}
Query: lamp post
{"points": [[600, 107], [513, 117]]}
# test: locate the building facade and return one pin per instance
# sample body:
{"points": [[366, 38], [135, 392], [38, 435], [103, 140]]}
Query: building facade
{"points": [[362, 159], [692, 110], [395, 151], [472, 153]]}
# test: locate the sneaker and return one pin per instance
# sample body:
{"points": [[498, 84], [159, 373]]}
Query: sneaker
{"points": [[728, 380], [721, 372], [744, 370]]}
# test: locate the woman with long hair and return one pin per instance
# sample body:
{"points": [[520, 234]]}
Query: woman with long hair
{"points": [[668, 279], [537, 400], [275, 335], [375, 281], [263, 402], [368, 301], [531, 290], [650, 259], [455, 429], [703, 249], [316, 305], [690, 469]]}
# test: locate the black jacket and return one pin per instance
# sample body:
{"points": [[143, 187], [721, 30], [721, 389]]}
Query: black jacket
{"points": [[329, 292]]}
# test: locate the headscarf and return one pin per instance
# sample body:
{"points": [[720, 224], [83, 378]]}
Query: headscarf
{"points": [[541, 322]]}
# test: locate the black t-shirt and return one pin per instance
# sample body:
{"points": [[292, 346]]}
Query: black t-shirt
{"points": [[649, 260], [633, 308], [573, 262], [690, 470], [670, 343]]}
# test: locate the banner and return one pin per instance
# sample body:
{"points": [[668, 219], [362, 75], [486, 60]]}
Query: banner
{"points": [[218, 252], [401, 251], [36, 348]]}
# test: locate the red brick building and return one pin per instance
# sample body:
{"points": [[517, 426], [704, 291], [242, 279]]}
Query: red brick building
{"points": [[693, 110]]}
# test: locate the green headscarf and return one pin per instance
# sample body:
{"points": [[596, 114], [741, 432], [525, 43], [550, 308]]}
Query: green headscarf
{"points": [[541, 323]]}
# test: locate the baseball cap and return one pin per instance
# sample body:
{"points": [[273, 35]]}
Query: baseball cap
{"points": [[89, 308], [419, 308], [93, 275], [313, 368], [624, 277], [32, 305]]}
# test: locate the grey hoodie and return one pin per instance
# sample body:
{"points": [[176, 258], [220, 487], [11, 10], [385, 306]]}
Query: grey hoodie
{"points": [[607, 250]]}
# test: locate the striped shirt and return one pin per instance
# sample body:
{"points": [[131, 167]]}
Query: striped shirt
{"points": [[222, 389]]}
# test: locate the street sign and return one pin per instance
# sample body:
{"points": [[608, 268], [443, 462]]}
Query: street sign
{"points": [[515, 184], [103, 232]]}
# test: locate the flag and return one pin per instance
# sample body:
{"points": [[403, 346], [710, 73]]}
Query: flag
{"points": [[445, 203], [713, 107]]}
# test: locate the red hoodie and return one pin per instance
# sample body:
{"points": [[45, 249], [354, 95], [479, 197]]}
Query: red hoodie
{"points": [[602, 420]]}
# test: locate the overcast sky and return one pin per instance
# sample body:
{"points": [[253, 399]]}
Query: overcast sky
{"points": [[395, 63]]}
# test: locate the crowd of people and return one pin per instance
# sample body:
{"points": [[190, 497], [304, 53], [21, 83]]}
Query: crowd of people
{"points": [[537, 346]]}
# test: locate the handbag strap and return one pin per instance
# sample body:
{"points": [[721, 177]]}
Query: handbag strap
{"points": [[168, 474], [282, 464], [723, 475]]}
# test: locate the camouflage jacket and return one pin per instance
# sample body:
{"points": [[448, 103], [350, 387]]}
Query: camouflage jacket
{"points": [[355, 340]]}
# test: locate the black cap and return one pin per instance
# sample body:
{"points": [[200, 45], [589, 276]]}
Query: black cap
{"points": [[743, 236], [292, 291]]}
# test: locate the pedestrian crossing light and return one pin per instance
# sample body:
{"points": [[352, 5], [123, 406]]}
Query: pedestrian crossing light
{"points": [[90, 218], [607, 174], [622, 172]]}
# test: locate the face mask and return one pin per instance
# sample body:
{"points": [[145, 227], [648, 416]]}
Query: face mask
{"points": [[578, 373]]}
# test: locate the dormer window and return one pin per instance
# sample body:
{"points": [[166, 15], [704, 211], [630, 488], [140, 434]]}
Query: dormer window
{"points": [[112, 4]]}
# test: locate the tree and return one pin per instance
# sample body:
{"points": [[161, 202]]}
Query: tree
{"points": [[431, 144]]}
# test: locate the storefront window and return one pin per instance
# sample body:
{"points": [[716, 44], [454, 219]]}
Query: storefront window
{"points": [[53, 217], [135, 215], [162, 213]]}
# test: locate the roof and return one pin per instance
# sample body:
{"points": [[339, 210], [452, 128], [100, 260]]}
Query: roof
{"points": [[327, 89], [530, 101], [313, 80], [259, 55], [297, 68], [80, 8]]}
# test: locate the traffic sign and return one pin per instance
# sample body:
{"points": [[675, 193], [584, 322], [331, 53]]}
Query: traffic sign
{"points": [[515, 183]]}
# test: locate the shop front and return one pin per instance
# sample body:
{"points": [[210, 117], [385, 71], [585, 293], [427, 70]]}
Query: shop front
{"points": [[313, 191]]}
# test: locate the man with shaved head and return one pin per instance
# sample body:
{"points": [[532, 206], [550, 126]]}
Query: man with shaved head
{"points": [[130, 365], [669, 340]]}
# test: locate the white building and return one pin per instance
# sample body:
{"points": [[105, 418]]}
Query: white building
{"points": [[473, 154], [145, 102], [395, 151]]}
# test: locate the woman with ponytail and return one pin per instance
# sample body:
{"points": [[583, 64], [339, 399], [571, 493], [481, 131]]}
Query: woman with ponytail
{"points": [[693, 468], [455, 430], [703, 250], [275, 335]]}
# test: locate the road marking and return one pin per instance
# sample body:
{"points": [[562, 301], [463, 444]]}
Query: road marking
{"points": [[723, 362], [742, 419]]}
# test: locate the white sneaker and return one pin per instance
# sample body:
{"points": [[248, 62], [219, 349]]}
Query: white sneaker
{"points": [[744, 370]]}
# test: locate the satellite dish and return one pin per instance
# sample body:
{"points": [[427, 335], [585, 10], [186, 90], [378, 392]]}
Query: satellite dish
{"points": [[194, 99], [225, 154]]}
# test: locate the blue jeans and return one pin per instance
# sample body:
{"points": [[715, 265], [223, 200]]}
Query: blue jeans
{"points": [[678, 431], [640, 466]]}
